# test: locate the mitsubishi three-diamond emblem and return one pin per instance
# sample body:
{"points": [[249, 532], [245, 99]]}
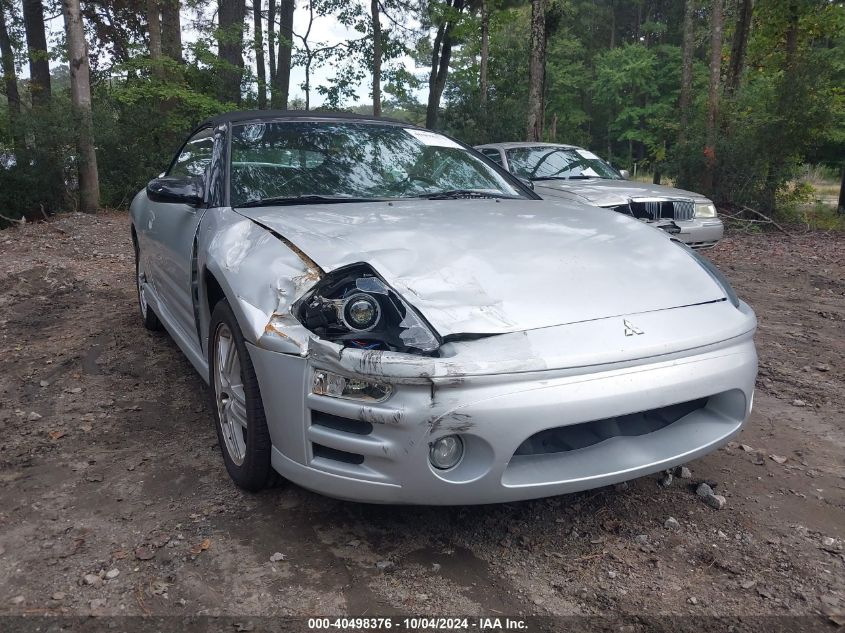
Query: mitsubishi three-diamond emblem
{"points": [[630, 328]]}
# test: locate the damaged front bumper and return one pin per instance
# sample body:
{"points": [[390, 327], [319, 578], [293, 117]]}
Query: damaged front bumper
{"points": [[695, 233], [539, 413], [701, 233]]}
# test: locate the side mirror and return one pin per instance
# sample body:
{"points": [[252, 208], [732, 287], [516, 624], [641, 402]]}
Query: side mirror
{"points": [[527, 182], [625, 173], [176, 190]]}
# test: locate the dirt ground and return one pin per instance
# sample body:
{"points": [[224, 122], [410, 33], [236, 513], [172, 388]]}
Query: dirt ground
{"points": [[114, 498]]}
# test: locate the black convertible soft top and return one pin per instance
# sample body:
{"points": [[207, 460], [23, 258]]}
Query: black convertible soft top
{"points": [[251, 115]]}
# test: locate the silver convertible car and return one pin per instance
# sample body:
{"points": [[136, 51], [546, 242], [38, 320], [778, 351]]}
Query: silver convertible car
{"points": [[384, 315], [574, 173]]}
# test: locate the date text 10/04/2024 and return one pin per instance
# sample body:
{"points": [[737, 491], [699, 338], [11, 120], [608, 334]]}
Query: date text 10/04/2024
{"points": [[420, 624]]}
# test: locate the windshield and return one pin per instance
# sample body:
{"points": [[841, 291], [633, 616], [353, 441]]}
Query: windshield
{"points": [[547, 163], [337, 160]]}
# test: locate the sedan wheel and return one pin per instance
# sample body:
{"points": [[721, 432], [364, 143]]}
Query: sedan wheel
{"points": [[236, 403]]}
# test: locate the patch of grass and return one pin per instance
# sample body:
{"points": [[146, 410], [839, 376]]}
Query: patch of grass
{"points": [[823, 217], [824, 180]]}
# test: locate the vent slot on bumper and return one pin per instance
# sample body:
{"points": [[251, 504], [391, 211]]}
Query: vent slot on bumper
{"points": [[334, 454], [338, 423], [577, 436]]}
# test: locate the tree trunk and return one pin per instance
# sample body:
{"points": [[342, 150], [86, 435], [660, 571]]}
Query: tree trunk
{"points": [[10, 86], [271, 41], [713, 95], [441, 55], [374, 13], [612, 24], [261, 71], [686, 87], [841, 205], [171, 29], [308, 83], [80, 93], [777, 164], [154, 25], [281, 81], [440, 58], [686, 70], [536, 71], [431, 107], [792, 36], [485, 54], [739, 46], [10, 77], [36, 41], [230, 40]]}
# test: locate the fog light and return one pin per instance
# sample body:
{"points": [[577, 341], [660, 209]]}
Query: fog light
{"points": [[327, 383], [446, 452]]}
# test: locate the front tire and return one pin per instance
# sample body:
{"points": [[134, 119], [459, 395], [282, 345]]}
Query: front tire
{"points": [[236, 404], [151, 321]]}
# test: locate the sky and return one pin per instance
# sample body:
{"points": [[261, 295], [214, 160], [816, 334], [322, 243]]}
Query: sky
{"points": [[325, 30]]}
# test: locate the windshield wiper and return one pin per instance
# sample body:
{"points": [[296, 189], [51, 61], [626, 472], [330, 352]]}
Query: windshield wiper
{"points": [[578, 177], [457, 194], [310, 199]]}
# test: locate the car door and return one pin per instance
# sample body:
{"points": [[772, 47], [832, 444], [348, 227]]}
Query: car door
{"points": [[172, 228]]}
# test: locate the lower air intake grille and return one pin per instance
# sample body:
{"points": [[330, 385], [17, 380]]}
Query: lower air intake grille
{"points": [[575, 436]]}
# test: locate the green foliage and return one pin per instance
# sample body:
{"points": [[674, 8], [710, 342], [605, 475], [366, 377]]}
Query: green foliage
{"points": [[613, 72], [37, 181], [139, 123], [782, 114], [637, 87], [504, 116]]}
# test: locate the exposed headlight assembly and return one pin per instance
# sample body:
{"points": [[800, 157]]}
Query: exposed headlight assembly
{"points": [[705, 210], [353, 306]]}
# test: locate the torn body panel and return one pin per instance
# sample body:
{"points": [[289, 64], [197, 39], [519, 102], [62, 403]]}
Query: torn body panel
{"points": [[262, 277], [499, 266], [576, 346]]}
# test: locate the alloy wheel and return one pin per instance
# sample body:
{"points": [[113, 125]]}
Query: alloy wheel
{"points": [[229, 394]]}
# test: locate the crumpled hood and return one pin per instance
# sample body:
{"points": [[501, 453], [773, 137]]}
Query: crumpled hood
{"points": [[487, 266], [605, 193]]}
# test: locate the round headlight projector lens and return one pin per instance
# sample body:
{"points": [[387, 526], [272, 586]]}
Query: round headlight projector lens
{"points": [[446, 452], [361, 312]]}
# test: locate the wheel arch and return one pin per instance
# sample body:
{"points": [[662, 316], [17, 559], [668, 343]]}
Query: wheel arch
{"points": [[259, 273]]}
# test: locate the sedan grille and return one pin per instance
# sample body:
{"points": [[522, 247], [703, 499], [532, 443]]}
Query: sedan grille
{"points": [[662, 209]]}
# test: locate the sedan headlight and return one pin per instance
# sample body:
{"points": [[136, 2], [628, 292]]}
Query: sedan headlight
{"points": [[353, 306], [705, 210]]}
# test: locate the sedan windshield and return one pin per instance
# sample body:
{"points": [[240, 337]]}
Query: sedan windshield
{"points": [[551, 163], [337, 161]]}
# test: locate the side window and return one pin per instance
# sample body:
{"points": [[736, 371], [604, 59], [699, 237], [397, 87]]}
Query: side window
{"points": [[493, 154], [195, 157]]}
